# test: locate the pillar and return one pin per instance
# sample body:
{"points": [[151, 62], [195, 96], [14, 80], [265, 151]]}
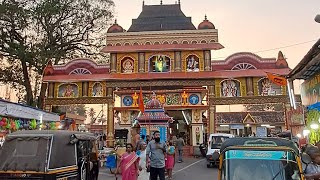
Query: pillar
{"points": [[207, 60], [85, 88], [141, 62], [212, 110], [113, 62], [249, 85], [196, 127], [177, 60], [51, 90], [110, 120]]}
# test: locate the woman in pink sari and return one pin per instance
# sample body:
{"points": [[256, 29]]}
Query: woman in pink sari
{"points": [[129, 164]]}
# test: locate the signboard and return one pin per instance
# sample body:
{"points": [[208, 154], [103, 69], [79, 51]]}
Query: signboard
{"points": [[310, 90], [265, 155], [261, 132], [236, 126]]}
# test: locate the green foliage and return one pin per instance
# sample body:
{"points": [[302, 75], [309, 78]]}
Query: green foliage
{"points": [[313, 116], [33, 32]]}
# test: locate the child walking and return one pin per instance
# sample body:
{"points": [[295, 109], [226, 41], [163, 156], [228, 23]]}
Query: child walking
{"points": [[170, 159]]}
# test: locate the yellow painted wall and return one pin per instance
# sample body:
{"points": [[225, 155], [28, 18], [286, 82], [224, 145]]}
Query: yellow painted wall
{"points": [[255, 85]]}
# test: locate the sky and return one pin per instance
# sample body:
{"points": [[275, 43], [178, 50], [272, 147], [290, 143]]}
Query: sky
{"points": [[260, 26], [247, 25]]}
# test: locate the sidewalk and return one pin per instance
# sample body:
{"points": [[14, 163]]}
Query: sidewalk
{"points": [[105, 173]]}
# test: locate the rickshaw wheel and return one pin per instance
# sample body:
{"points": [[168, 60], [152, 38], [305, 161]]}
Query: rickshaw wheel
{"points": [[208, 165]]}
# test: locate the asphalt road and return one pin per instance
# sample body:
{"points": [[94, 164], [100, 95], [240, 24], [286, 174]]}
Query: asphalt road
{"points": [[191, 168]]}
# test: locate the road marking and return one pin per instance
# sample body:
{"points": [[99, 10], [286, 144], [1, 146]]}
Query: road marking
{"points": [[187, 166]]}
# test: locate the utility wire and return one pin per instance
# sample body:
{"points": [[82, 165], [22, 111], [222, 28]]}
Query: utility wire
{"points": [[266, 50]]}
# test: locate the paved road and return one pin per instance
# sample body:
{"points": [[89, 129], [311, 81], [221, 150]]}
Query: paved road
{"points": [[192, 168]]}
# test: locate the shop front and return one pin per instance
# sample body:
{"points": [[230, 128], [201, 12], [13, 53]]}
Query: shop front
{"points": [[308, 70], [310, 93]]}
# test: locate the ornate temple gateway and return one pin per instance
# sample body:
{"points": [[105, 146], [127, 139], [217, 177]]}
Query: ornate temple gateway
{"points": [[164, 53]]}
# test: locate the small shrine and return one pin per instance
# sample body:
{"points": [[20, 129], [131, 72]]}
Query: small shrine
{"points": [[154, 118]]}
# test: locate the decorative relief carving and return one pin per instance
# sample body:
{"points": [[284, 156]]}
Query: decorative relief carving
{"points": [[198, 82]]}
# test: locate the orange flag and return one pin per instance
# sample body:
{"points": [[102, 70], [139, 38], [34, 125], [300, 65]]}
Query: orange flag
{"points": [[141, 105], [278, 80]]}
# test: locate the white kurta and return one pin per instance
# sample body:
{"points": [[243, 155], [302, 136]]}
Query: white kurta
{"points": [[144, 175]]}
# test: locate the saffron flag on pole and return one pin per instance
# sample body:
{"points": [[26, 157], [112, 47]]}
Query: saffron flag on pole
{"points": [[278, 80], [141, 104]]}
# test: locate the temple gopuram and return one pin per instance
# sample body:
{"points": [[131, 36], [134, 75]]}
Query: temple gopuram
{"points": [[170, 59]]}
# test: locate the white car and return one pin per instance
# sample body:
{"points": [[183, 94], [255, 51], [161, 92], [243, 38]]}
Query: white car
{"points": [[214, 144]]}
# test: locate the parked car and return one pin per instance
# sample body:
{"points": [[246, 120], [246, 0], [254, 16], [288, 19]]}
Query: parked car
{"points": [[214, 144]]}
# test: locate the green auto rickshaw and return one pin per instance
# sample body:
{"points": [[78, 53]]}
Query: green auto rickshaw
{"points": [[259, 158]]}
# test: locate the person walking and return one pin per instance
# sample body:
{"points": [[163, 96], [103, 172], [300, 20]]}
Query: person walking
{"points": [[139, 143], [155, 155], [148, 139], [129, 164], [144, 175], [170, 159], [180, 143]]}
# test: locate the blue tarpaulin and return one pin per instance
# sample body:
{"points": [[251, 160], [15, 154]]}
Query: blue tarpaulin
{"points": [[315, 106]]}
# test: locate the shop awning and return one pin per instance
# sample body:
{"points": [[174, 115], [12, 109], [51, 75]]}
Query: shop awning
{"points": [[16, 110]]}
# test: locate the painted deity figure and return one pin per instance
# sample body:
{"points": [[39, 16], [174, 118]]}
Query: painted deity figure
{"points": [[184, 98], [97, 90], [266, 88], [198, 135], [229, 88], [127, 66], [135, 98], [69, 91], [193, 64], [160, 64]]}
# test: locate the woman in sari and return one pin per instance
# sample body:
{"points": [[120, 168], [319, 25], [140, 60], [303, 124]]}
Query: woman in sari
{"points": [[129, 164]]}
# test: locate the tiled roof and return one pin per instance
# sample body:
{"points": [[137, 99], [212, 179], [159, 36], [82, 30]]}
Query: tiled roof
{"points": [[161, 18]]}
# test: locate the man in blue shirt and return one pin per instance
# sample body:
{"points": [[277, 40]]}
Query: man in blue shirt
{"points": [[155, 153]]}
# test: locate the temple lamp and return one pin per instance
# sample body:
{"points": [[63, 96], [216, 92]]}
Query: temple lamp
{"points": [[317, 18]]}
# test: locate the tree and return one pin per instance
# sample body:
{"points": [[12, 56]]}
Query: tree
{"points": [[34, 32]]}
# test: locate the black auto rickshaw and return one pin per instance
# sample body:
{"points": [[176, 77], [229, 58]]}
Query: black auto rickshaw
{"points": [[259, 158], [49, 155]]}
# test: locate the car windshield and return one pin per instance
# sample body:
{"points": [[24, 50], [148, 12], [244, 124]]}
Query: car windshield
{"points": [[271, 165], [216, 141]]}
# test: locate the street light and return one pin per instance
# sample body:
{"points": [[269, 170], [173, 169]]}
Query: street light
{"points": [[317, 18], [314, 126], [305, 132], [299, 135]]}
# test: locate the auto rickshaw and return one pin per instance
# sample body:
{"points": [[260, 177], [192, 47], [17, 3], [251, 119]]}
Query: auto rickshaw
{"points": [[48, 155], [259, 158]]}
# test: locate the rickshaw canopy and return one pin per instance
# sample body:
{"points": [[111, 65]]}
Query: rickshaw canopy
{"points": [[259, 142], [41, 151]]}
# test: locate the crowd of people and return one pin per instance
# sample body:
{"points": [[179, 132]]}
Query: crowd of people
{"points": [[150, 158]]}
